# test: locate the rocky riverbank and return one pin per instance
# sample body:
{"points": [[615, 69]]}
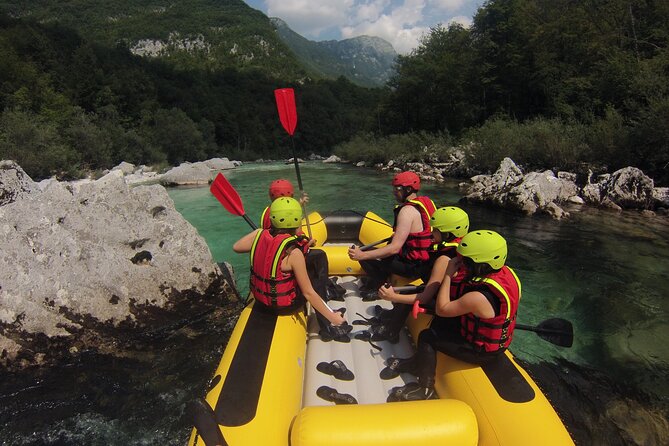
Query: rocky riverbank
{"points": [[546, 192], [89, 265]]}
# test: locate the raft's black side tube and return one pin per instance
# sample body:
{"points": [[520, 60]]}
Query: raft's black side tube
{"points": [[204, 420], [239, 397], [509, 383], [343, 225]]}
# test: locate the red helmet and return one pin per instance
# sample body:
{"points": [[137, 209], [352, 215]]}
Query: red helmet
{"points": [[407, 179], [280, 188]]}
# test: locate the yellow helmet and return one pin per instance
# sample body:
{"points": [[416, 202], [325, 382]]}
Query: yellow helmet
{"points": [[484, 246], [285, 213], [450, 219]]}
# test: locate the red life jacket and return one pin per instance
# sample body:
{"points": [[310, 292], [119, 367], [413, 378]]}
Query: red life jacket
{"points": [[446, 248], [269, 285], [265, 222], [418, 244], [495, 333]]}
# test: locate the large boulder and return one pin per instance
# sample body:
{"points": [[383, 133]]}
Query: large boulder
{"points": [[630, 188], [221, 164], [535, 192], [188, 174], [332, 159], [82, 263], [627, 188]]}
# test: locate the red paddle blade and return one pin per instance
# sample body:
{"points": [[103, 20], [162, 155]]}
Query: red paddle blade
{"points": [[285, 104], [227, 195]]}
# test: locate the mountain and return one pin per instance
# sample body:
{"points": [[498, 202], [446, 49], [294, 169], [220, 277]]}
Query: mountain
{"points": [[208, 34], [213, 35], [365, 60]]}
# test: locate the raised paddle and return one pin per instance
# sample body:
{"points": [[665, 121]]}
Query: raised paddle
{"points": [[555, 330], [285, 105], [229, 198]]}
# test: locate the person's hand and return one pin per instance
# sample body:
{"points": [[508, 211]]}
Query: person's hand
{"points": [[354, 253], [453, 266], [304, 199], [312, 242], [336, 318], [387, 292]]}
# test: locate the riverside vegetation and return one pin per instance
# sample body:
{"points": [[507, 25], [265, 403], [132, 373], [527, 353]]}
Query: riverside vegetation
{"points": [[551, 84]]}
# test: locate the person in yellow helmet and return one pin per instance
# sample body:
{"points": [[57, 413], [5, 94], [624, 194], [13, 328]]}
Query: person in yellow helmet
{"points": [[475, 312], [279, 280], [279, 188], [449, 224]]}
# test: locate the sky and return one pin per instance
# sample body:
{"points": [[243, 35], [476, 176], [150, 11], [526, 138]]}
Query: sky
{"points": [[400, 22]]}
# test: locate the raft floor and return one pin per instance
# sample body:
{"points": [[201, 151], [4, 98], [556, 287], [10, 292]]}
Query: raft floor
{"points": [[359, 356]]}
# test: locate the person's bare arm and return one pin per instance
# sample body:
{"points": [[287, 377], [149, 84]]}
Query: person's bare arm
{"points": [[472, 302], [245, 243], [297, 264], [405, 220], [428, 293]]}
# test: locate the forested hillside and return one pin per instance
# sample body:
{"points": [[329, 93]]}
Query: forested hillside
{"points": [[551, 83], [188, 34], [548, 82], [68, 105]]}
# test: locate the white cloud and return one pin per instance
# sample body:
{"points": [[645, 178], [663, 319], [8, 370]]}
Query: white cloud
{"points": [[401, 22], [462, 20], [370, 11], [310, 17], [399, 25], [448, 5]]}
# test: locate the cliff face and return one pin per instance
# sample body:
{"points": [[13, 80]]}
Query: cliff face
{"points": [[84, 264]]}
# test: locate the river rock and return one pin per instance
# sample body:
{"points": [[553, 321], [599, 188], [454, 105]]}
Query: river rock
{"points": [[627, 188], [14, 183], [83, 263], [332, 159], [531, 193], [187, 174], [630, 188], [125, 167], [222, 164], [661, 197]]}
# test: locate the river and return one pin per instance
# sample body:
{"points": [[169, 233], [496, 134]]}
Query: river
{"points": [[603, 271]]}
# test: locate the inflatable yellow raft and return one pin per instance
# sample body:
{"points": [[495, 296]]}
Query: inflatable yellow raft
{"points": [[264, 389]]}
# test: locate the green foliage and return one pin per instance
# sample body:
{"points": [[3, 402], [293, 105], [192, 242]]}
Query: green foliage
{"points": [[538, 143], [407, 147], [91, 107], [196, 34], [36, 145], [550, 82]]}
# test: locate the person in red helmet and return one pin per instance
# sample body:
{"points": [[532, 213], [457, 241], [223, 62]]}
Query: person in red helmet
{"points": [[279, 188], [407, 254]]}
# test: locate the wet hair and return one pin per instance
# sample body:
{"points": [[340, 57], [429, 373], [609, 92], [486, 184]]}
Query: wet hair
{"points": [[447, 236], [406, 191], [276, 231], [475, 270]]}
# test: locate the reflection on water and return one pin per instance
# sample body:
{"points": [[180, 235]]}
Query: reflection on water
{"points": [[603, 271]]}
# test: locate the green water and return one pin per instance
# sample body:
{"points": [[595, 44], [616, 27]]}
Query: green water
{"points": [[603, 271], [330, 187]]}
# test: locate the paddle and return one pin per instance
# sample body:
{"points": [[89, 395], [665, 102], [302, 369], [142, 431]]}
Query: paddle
{"points": [[555, 330], [229, 198], [378, 242], [285, 105]]}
